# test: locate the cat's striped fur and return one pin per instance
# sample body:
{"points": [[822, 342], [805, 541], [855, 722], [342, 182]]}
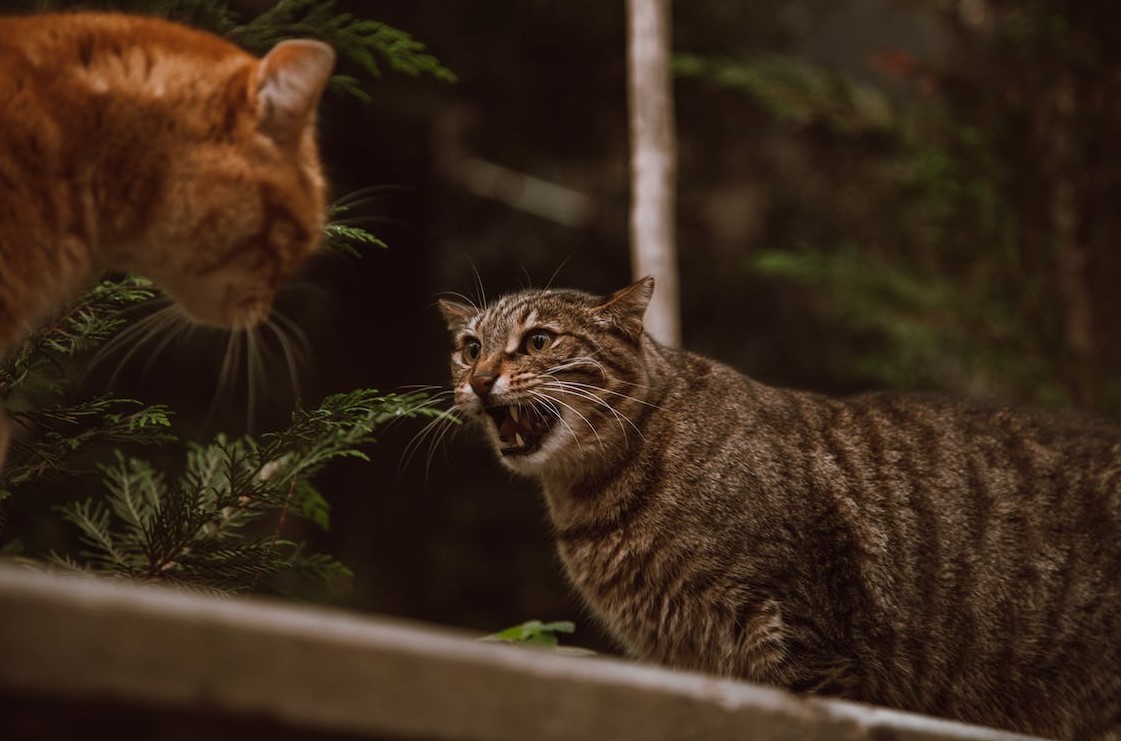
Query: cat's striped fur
{"points": [[139, 145], [941, 558]]}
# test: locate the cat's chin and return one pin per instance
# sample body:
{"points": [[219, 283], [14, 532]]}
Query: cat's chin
{"points": [[527, 462], [235, 314]]}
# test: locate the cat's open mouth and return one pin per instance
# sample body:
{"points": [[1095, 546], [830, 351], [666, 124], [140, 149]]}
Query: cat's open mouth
{"points": [[521, 426]]}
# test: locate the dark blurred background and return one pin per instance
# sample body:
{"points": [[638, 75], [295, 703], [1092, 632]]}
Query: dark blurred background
{"points": [[913, 194]]}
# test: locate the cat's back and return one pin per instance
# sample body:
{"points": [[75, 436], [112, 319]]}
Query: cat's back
{"points": [[951, 558]]}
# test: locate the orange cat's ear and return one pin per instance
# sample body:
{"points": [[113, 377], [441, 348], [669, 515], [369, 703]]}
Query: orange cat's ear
{"points": [[288, 84], [456, 315], [626, 307]]}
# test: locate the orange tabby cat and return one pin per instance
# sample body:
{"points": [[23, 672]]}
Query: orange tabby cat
{"points": [[135, 144]]}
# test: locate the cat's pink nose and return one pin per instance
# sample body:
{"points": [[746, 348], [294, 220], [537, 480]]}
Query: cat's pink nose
{"points": [[482, 383]]}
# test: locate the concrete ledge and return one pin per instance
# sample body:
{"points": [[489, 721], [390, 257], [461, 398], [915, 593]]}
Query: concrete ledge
{"points": [[179, 658]]}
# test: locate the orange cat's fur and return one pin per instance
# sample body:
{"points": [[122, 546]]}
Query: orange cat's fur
{"points": [[135, 144]]}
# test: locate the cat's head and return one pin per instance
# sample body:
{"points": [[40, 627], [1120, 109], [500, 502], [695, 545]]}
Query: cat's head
{"points": [[242, 199], [554, 377]]}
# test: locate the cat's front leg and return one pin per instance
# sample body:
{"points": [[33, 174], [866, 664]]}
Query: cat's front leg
{"points": [[761, 653]]}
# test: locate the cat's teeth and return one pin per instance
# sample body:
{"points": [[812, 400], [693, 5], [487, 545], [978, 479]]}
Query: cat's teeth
{"points": [[515, 413], [518, 439]]}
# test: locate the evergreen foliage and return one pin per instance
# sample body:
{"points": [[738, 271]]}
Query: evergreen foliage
{"points": [[360, 40], [198, 529], [218, 523], [35, 382]]}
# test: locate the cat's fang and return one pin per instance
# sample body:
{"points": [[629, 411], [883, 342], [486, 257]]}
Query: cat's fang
{"points": [[520, 427]]}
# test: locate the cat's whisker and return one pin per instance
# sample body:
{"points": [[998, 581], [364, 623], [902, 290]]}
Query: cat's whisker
{"points": [[159, 303], [255, 374], [479, 286], [139, 335], [424, 388], [592, 387], [528, 279], [434, 432], [125, 335], [294, 349], [540, 396], [460, 298], [549, 403], [565, 387], [294, 345], [586, 360], [366, 196], [293, 332], [578, 363], [434, 401], [360, 220], [620, 418], [170, 330], [553, 277], [224, 386], [448, 426]]}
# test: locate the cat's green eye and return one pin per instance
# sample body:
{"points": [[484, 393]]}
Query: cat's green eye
{"points": [[471, 350], [537, 341]]}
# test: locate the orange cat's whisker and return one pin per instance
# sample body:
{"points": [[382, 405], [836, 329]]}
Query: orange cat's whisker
{"points": [[294, 351], [254, 375], [365, 196], [288, 331], [230, 360], [138, 335], [169, 327]]}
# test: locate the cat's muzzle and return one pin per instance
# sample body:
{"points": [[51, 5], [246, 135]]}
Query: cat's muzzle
{"points": [[521, 426]]}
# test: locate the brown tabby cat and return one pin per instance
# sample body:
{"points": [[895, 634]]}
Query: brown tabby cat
{"points": [[945, 559], [135, 144]]}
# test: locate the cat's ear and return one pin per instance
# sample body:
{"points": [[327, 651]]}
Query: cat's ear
{"points": [[287, 86], [456, 315], [626, 307]]}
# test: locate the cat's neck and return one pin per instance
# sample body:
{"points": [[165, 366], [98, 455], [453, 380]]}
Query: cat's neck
{"points": [[605, 482]]}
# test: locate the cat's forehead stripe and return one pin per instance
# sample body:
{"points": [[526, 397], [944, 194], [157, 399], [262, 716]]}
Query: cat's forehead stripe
{"points": [[507, 320]]}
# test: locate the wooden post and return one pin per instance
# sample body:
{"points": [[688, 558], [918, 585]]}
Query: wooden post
{"points": [[653, 162]]}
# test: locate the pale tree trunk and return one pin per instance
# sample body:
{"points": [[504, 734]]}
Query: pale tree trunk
{"points": [[653, 162]]}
